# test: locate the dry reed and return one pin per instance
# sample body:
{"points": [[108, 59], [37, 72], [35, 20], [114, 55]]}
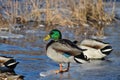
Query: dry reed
{"points": [[60, 12]]}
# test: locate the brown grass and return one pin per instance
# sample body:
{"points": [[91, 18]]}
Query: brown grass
{"points": [[60, 13]]}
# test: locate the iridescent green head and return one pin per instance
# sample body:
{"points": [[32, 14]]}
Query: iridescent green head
{"points": [[54, 34]]}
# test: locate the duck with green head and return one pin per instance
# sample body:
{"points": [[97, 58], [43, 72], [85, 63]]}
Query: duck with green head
{"points": [[63, 50]]}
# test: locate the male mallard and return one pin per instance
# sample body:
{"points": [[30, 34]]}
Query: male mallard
{"points": [[8, 63], [95, 49], [63, 50]]}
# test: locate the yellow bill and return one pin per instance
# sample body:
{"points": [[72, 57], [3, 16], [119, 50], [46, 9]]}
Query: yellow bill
{"points": [[46, 38]]}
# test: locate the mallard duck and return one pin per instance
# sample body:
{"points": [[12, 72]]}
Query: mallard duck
{"points": [[7, 65], [63, 50], [95, 49], [8, 62]]}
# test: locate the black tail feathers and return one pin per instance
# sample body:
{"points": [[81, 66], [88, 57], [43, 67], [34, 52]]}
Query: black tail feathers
{"points": [[82, 57], [11, 64], [106, 50]]}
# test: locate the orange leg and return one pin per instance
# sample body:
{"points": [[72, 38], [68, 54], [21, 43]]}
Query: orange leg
{"points": [[61, 70]]}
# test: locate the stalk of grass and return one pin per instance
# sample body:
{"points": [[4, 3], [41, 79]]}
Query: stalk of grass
{"points": [[61, 12]]}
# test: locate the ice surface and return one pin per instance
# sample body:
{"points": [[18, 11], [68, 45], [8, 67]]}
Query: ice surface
{"points": [[10, 35]]}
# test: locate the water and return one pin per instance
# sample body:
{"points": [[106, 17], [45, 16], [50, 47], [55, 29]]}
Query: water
{"points": [[30, 52]]}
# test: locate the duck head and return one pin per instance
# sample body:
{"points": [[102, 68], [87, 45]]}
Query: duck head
{"points": [[54, 34]]}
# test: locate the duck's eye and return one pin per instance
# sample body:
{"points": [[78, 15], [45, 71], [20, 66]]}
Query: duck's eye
{"points": [[51, 33]]}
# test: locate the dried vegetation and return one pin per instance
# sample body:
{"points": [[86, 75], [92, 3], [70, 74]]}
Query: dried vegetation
{"points": [[75, 14]]}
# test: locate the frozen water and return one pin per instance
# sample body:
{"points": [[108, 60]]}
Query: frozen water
{"points": [[10, 35], [34, 64]]}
